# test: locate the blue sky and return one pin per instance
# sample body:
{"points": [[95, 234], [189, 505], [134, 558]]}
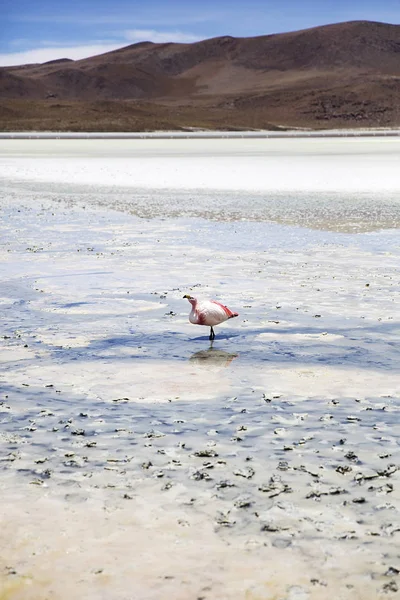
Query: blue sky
{"points": [[41, 30]]}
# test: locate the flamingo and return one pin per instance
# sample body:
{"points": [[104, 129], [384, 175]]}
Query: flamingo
{"points": [[209, 312]]}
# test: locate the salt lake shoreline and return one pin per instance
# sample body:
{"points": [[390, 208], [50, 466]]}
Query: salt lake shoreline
{"points": [[259, 134]]}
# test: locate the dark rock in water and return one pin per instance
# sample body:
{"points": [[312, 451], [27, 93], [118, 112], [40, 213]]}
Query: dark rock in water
{"points": [[225, 484], [274, 488], [78, 432], [314, 494], [382, 489], [225, 520], [154, 434], [390, 470], [243, 502], [360, 500], [205, 453], [315, 581], [201, 475], [46, 474], [335, 491], [273, 527], [391, 586], [248, 473], [392, 571], [351, 456], [342, 469]]}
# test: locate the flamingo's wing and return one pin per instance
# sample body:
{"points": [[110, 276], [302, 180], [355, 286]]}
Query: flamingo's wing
{"points": [[229, 313]]}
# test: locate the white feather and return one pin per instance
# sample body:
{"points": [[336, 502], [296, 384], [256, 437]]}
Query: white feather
{"points": [[207, 313]]}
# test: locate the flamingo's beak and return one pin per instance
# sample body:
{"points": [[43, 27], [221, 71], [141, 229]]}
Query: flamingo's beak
{"points": [[187, 296]]}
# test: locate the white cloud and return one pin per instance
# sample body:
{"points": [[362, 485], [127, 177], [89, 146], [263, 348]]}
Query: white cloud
{"points": [[40, 55], [56, 51], [160, 37]]}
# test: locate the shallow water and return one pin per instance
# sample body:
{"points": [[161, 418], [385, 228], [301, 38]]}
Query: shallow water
{"points": [[278, 443], [347, 185]]}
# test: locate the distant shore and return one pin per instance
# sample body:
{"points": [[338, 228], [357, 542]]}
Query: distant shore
{"points": [[297, 133]]}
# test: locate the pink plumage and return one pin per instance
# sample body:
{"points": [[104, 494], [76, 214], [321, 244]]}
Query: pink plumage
{"points": [[209, 312]]}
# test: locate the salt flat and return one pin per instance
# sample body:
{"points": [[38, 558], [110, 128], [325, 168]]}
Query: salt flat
{"points": [[138, 460], [344, 184]]}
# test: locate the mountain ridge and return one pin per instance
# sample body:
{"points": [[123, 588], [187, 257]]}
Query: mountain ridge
{"points": [[342, 74]]}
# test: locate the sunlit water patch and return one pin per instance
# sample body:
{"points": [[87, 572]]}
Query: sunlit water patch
{"points": [[336, 184]]}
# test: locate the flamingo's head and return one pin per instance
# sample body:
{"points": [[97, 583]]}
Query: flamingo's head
{"points": [[191, 299]]}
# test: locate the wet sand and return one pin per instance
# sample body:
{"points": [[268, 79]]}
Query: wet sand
{"points": [[140, 461]]}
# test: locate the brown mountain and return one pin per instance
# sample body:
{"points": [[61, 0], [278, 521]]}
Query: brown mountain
{"points": [[341, 75]]}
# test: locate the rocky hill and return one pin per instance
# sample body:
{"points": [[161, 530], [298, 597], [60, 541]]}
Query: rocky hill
{"points": [[341, 75]]}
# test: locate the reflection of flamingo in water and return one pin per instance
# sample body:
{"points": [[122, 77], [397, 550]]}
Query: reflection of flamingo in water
{"points": [[213, 357], [209, 312]]}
